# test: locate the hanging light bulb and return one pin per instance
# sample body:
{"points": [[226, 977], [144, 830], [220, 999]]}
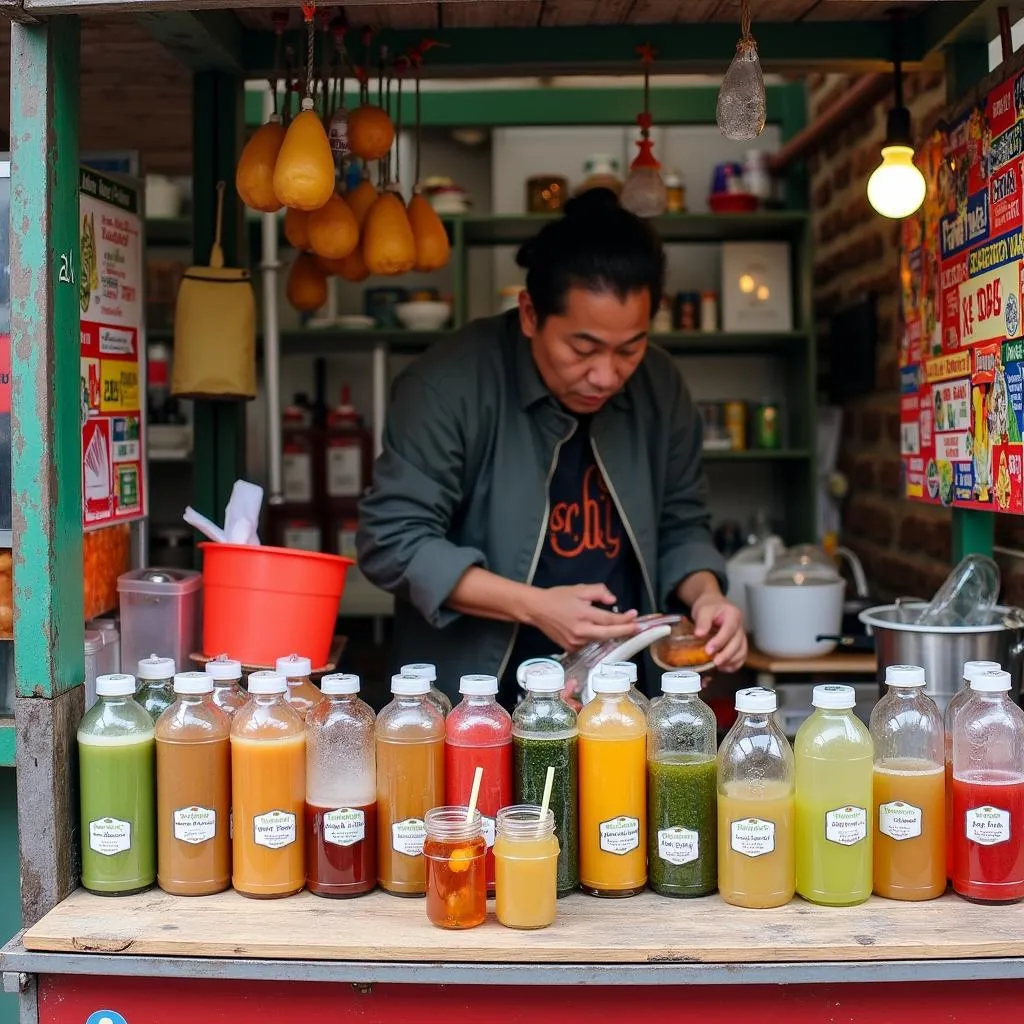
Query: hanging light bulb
{"points": [[644, 191], [741, 110], [896, 188]]}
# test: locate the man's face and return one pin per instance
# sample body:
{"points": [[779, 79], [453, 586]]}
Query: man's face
{"points": [[586, 354]]}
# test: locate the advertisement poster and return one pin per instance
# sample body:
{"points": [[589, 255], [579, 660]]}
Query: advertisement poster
{"points": [[110, 294], [961, 346]]}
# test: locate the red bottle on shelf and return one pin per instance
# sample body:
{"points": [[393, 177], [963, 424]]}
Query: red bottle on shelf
{"points": [[478, 733], [348, 455]]}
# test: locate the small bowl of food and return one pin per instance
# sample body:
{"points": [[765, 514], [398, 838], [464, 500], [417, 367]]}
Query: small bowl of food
{"points": [[423, 315], [681, 649]]}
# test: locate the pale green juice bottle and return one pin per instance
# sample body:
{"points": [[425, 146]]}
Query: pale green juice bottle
{"points": [[834, 764]]}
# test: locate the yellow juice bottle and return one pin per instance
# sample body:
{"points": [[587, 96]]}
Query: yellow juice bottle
{"points": [[834, 802]]}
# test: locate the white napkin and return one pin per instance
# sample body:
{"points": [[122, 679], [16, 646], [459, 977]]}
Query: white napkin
{"points": [[241, 517]]}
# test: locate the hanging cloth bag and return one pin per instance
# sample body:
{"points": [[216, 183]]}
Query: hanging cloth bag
{"points": [[215, 328]]}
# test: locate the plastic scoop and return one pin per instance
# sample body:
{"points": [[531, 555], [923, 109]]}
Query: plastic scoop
{"points": [[478, 777]]}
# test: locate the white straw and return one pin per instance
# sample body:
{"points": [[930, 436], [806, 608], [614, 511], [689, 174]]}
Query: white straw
{"points": [[477, 779], [548, 784]]}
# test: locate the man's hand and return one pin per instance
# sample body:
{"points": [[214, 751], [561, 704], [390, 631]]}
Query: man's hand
{"points": [[567, 616], [714, 616]]}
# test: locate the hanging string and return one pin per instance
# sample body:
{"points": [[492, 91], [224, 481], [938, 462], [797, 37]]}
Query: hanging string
{"points": [[647, 54], [745, 21], [279, 20], [419, 128], [401, 63], [308, 10]]}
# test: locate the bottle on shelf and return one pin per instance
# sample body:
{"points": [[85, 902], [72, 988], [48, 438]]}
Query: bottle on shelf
{"points": [[410, 781], [116, 764], [348, 456], [834, 780], [525, 867], [454, 852], [545, 734], [909, 790], [988, 792], [298, 458], [302, 692], [341, 791], [228, 693], [423, 670], [629, 667], [478, 733], [268, 791], [682, 792], [156, 685], [613, 790], [756, 807], [193, 790]]}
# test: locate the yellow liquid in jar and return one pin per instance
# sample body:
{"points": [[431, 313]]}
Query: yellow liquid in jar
{"points": [[525, 880]]}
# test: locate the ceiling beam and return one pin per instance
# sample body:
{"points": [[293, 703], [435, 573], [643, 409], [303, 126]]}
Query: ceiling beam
{"points": [[200, 40], [958, 21]]}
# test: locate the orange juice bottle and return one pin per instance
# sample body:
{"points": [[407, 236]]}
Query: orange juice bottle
{"points": [[410, 781], [613, 789], [268, 791]]}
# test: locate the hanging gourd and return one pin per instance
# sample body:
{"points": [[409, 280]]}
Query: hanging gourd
{"points": [[307, 284], [360, 199], [431, 239], [741, 107], [389, 246], [254, 176], [333, 230], [370, 132], [353, 267], [296, 229]]}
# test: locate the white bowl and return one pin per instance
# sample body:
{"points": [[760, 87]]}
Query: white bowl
{"points": [[423, 316]]}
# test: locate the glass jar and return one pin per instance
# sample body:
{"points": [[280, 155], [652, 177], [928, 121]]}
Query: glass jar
{"points": [[756, 830], [341, 791], [629, 667], [525, 867], [302, 695], [456, 882], [544, 734], [226, 674], [423, 670], [682, 794], [909, 790], [675, 192], [156, 685]]}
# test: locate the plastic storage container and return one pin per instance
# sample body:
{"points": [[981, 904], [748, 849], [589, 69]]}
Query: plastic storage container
{"points": [[161, 611], [102, 658]]}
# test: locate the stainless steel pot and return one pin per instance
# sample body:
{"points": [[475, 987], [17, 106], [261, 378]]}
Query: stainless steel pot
{"points": [[942, 650]]}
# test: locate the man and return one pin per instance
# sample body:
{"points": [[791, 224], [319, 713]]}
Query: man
{"points": [[541, 483]]}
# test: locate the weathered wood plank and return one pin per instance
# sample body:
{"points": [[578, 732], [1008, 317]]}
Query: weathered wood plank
{"points": [[200, 40], [590, 12], [489, 13]]}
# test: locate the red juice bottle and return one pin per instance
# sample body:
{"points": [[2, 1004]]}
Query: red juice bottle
{"points": [[988, 792], [341, 791], [478, 733]]}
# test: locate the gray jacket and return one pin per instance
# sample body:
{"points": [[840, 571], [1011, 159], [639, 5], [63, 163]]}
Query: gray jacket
{"points": [[471, 441]]}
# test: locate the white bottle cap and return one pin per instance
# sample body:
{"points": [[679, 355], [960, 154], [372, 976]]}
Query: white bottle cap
{"points": [[223, 667], [993, 681], [478, 686], [193, 682], [407, 685], [756, 700], [904, 675], [680, 681], [421, 670], [623, 666], [155, 667], [541, 675], [834, 697], [267, 682], [339, 683], [610, 680], [294, 666], [118, 685], [975, 668]]}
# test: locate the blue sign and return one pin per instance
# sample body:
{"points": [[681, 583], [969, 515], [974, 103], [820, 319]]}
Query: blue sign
{"points": [[105, 1017]]}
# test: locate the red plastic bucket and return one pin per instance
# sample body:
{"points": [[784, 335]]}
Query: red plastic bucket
{"points": [[260, 603]]}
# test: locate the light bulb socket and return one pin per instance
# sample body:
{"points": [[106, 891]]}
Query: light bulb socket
{"points": [[897, 128]]}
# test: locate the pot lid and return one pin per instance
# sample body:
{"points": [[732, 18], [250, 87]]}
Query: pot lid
{"points": [[802, 566]]}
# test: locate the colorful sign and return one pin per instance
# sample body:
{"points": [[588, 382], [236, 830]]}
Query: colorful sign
{"points": [[962, 342], [110, 293]]}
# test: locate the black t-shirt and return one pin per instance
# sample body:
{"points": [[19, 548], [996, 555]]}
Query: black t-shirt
{"points": [[585, 542]]}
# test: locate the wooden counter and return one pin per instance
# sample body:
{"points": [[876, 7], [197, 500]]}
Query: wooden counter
{"points": [[647, 929]]}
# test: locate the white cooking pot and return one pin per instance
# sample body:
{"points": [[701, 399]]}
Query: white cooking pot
{"points": [[750, 565], [788, 617]]}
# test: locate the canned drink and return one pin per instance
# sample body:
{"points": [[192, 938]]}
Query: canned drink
{"points": [[736, 424], [687, 311], [766, 425]]}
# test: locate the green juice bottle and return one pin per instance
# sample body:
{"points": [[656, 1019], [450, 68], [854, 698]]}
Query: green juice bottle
{"points": [[834, 793], [116, 756]]}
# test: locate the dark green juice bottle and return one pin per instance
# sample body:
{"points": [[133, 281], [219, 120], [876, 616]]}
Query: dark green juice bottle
{"points": [[682, 796]]}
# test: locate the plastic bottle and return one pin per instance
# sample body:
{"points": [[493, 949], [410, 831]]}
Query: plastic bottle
{"points": [[525, 867], [454, 852], [410, 781], [834, 780], [988, 792], [423, 670], [682, 792], [302, 694], [971, 669], [545, 734], [193, 788], [629, 667], [228, 693], [116, 764], [613, 790], [909, 790], [341, 791], [478, 733], [348, 456], [156, 685], [268, 791], [756, 807]]}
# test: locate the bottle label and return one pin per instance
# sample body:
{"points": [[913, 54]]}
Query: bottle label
{"points": [[110, 836], [678, 845], [487, 825], [274, 830], [195, 825], [297, 476], [987, 826], [344, 471], [846, 826], [753, 837], [407, 837], [620, 835], [344, 827], [899, 821]]}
